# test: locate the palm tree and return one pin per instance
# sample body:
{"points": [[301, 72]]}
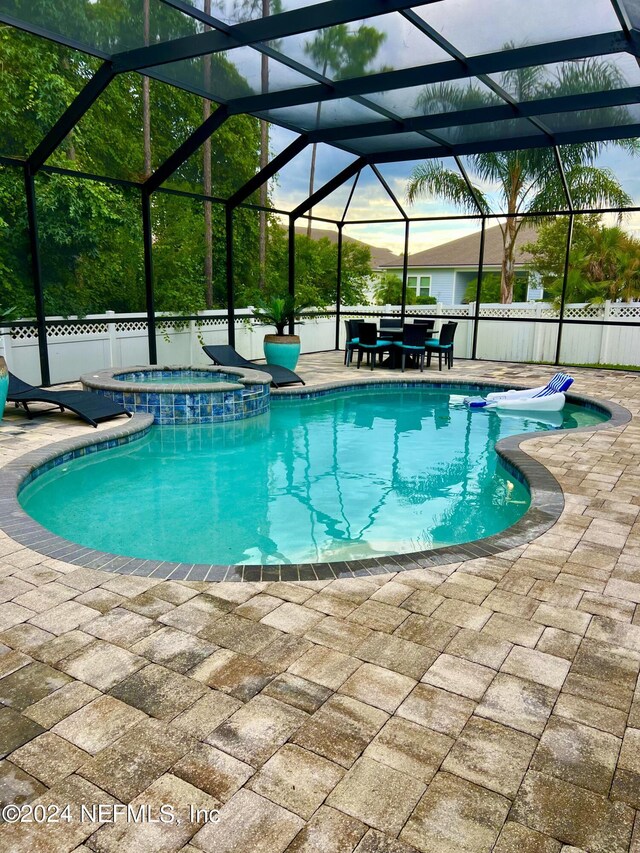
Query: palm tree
{"points": [[528, 181], [606, 266]]}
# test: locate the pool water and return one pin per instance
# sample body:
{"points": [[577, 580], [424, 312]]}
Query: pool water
{"points": [[341, 477]]}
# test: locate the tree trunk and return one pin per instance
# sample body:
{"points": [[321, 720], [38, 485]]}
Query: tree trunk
{"points": [[146, 101], [264, 159], [207, 183], [314, 149], [508, 271]]}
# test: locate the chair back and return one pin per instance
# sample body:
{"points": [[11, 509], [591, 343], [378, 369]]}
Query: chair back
{"points": [[428, 323], [414, 335], [391, 322], [447, 334], [352, 327], [559, 384], [226, 356], [368, 333], [18, 386]]}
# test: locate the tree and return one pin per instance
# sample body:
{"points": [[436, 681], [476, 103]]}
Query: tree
{"points": [[604, 262], [528, 181], [344, 54], [388, 291], [316, 268], [490, 290], [90, 232]]}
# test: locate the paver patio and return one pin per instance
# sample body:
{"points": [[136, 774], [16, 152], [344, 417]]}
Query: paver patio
{"points": [[491, 705]]}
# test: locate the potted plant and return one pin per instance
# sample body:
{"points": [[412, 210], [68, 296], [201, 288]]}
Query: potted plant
{"points": [[4, 373], [280, 311]]}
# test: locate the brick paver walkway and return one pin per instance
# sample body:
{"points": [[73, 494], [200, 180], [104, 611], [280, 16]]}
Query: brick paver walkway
{"points": [[484, 706]]}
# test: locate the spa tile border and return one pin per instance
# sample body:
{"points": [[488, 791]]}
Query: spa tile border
{"points": [[547, 500]]}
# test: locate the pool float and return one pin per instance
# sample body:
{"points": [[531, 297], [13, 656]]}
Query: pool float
{"points": [[545, 398]]}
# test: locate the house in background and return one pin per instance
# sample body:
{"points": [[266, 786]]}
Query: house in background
{"points": [[380, 257], [445, 271]]}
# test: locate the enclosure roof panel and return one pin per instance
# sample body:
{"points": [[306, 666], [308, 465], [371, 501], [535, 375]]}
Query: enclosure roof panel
{"points": [[491, 25], [379, 78]]}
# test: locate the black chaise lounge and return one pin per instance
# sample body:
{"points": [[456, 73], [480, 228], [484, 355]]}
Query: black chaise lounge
{"points": [[91, 407], [226, 356]]}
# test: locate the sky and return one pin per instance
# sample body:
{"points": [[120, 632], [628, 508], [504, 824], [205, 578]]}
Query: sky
{"points": [[371, 201]]}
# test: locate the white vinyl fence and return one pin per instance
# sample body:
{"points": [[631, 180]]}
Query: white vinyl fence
{"points": [[108, 340]]}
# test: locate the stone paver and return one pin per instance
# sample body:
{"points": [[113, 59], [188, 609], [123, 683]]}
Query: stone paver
{"points": [[101, 664], [573, 815], [49, 758], [437, 709], [410, 748], [98, 724], [459, 676], [491, 755], [378, 686], [377, 794], [454, 809], [488, 706], [578, 754], [257, 729], [523, 705], [249, 822], [131, 764], [159, 692], [315, 778]]}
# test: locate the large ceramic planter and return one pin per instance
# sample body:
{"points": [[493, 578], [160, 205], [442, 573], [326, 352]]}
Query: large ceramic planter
{"points": [[4, 384], [282, 349]]}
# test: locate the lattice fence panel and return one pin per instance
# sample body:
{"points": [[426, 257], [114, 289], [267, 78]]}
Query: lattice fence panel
{"points": [[24, 333], [77, 329], [132, 326], [625, 310]]}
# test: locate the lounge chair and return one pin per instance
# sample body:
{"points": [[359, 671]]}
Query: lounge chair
{"points": [[226, 356], [91, 407]]}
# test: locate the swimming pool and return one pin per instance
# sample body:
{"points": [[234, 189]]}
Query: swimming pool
{"points": [[340, 477]]}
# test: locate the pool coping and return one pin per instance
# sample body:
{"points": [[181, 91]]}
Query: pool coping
{"points": [[547, 500], [105, 380]]}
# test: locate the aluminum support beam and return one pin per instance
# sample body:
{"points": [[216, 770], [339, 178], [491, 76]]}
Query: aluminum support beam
{"points": [[71, 116], [36, 273], [188, 147], [271, 28], [271, 169], [328, 188]]}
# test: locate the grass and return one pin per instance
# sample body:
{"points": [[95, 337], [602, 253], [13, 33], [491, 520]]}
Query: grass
{"points": [[634, 368]]}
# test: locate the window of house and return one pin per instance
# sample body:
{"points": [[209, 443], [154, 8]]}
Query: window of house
{"points": [[412, 282], [424, 287]]}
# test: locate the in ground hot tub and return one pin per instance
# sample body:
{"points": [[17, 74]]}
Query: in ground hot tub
{"points": [[184, 395]]}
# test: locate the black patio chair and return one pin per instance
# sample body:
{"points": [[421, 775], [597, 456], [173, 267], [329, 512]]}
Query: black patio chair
{"points": [[390, 322], [92, 408], [413, 342], [428, 323], [369, 343], [351, 342], [442, 345], [226, 356]]}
